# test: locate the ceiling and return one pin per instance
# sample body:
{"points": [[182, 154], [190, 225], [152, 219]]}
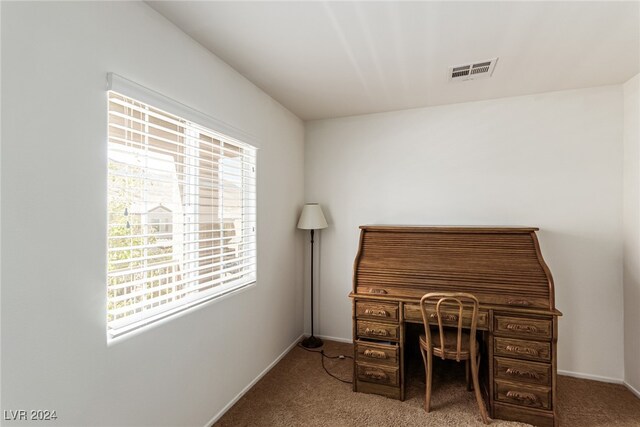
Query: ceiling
{"points": [[332, 59]]}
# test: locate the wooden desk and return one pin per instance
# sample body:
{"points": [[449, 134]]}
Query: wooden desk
{"points": [[503, 267]]}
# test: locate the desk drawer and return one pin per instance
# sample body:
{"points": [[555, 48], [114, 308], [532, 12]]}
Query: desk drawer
{"points": [[523, 395], [381, 331], [377, 310], [522, 327], [379, 354], [377, 374], [412, 313], [522, 371], [522, 349]]}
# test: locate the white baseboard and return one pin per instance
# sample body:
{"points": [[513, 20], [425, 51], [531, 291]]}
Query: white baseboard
{"points": [[591, 377], [631, 389], [233, 401], [326, 337], [599, 378]]}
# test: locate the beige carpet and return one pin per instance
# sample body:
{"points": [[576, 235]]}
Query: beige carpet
{"points": [[298, 392]]}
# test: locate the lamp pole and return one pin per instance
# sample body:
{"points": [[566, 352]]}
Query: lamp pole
{"points": [[312, 341], [312, 219]]}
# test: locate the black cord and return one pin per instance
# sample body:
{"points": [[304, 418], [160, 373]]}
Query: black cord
{"points": [[321, 352]]}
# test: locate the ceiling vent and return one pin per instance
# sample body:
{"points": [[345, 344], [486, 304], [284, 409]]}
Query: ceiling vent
{"points": [[477, 70]]}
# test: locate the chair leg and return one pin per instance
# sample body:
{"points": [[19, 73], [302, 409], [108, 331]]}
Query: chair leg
{"points": [[469, 383], [476, 387], [467, 375], [427, 369]]}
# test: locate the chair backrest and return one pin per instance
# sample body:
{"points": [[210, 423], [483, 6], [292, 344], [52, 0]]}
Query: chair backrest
{"points": [[464, 303]]}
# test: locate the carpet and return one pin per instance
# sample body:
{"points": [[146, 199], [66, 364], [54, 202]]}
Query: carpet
{"points": [[298, 392]]}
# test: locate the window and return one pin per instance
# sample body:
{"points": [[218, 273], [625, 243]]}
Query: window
{"points": [[181, 214]]}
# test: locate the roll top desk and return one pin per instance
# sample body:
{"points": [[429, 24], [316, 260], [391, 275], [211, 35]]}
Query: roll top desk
{"points": [[503, 267]]}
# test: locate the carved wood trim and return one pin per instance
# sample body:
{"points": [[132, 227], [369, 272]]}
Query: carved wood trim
{"points": [[516, 349], [520, 373], [375, 354], [376, 312], [446, 317], [523, 397], [521, 328], [376, 332], [376, 375]]}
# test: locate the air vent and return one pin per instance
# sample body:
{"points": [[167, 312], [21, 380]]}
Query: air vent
{"points": [[477, 70]]}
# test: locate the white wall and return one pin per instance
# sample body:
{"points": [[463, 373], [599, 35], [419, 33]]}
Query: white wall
{"points": [[55, 57], [632, 232], [552, 160]]}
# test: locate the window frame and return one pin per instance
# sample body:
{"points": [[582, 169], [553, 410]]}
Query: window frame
{"points": [[224, 132]]}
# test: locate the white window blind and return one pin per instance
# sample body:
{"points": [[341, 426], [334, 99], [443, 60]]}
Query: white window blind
{"points": [[181, 214]]}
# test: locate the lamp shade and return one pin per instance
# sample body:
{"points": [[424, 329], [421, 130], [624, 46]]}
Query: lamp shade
{"points": [[312, 217]]}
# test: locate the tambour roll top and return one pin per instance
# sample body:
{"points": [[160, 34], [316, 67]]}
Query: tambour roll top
{"points": [[500, 265]]}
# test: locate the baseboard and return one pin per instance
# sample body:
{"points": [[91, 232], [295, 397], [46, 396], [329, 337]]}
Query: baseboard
{"points": [[326, 337], [567, 373], [252, 383], [591, 377], [631, 389]]}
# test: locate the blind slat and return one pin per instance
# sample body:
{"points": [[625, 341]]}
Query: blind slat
{"points": [[219, 144], [248, 181], [165, 235], [120, 143], [197, 243], [128, 102], [134, 321], [186, 289], [247, 262], [161, 265]]}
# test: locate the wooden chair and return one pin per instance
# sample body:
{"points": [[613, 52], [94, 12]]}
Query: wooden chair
{"points": [[451, 343]]}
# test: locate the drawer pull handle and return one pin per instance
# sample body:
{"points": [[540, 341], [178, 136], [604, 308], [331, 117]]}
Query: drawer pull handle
{"points": [[523, 397], [446, 317], [375, 354], [377, 313], [522, 350], [518, 373], [519, 302], [376, 332], [522, 328], [375, 375], [377, 291]]}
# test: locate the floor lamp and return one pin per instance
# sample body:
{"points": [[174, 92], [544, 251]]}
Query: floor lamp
{"points": [[312, 219]]}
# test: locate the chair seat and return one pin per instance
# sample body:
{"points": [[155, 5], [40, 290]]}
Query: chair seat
{"points": [[450, 344]]}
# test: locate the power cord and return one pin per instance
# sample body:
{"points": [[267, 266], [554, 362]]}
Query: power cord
{"points": [[321, 352]]}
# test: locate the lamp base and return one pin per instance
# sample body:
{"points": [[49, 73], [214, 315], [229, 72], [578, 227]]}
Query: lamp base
{"points": [[311, 342]]}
